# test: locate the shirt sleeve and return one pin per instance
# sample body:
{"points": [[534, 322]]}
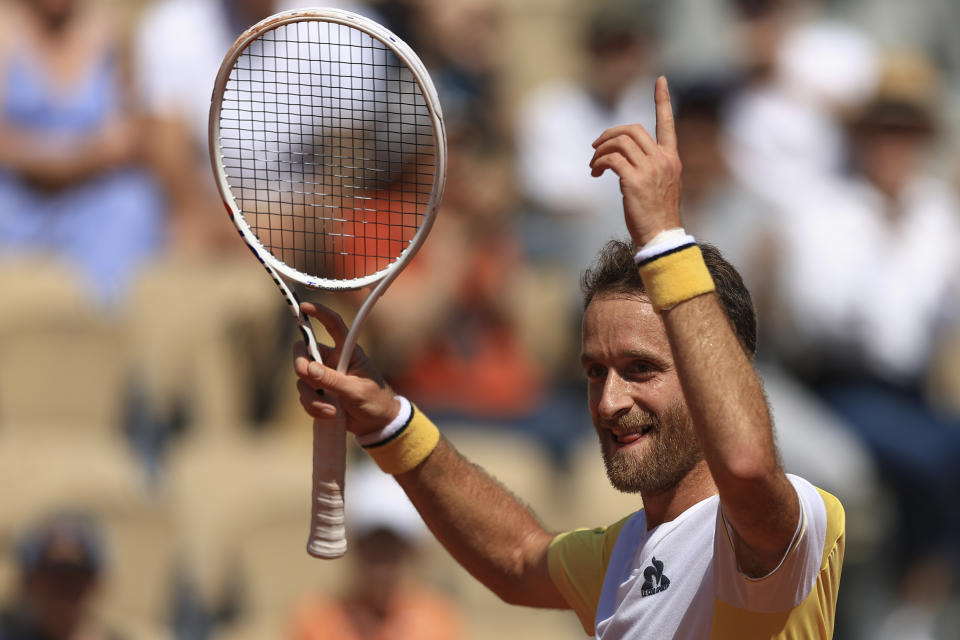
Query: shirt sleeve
{"points": [[578, 563], [819, 534]]}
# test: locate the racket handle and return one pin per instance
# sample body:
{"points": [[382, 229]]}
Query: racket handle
{"points": [[327, 533]]}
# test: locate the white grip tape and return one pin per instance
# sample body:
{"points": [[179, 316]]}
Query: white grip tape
{"points": [[327, 533]]}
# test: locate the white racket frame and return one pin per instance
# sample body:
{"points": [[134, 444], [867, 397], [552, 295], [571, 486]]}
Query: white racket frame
{"points": [[327, 533]]}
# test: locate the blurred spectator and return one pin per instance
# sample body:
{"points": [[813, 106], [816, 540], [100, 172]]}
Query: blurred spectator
{"points": [[717, 209], [382, 601], [761, 26], [574, 213], [869, 274], [60, 563], [891, 225], [179, 47], [785, 128], [447, 328], [928, 25], [570, 213], [178, 379], [68, 143], [459, 44]]}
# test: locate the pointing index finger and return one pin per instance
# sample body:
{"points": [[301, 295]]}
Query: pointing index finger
{"points": [[666, 131]]}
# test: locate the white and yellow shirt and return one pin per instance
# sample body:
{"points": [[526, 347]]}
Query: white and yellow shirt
{"points": [[681, 580]]}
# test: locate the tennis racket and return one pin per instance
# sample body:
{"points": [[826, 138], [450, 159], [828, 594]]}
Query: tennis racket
{"points": [[328, 147]]}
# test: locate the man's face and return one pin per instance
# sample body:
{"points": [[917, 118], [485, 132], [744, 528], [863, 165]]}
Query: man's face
{"points": [[646, 435]]}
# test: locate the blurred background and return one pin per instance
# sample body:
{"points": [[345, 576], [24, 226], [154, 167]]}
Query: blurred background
{"points": [[154, 460]]}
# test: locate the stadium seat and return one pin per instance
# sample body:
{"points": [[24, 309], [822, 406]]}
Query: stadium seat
{"points": [[61, 364], [225, 492], [197, 332]]}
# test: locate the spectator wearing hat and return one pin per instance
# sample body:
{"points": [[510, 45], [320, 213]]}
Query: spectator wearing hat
{"points": [[60, 562], [381, 601], [867, 302]]}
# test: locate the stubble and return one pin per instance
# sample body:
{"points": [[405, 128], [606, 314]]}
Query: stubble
{"points": [[672, 452]]}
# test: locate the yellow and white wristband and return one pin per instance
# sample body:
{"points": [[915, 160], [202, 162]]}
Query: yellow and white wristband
{"points": [[404, 443], [672, 269]]}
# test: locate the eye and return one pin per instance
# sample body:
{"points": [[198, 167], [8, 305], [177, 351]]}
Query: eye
{"points": [[640, 369], [595, 371]]}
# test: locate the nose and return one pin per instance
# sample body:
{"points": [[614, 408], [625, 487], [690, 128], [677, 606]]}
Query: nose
{"points": [[615, 399]]}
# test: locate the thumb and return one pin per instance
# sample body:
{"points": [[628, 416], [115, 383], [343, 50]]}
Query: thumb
{"points": [[320, 376]]}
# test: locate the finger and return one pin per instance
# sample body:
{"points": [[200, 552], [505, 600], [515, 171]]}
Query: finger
{"points": [[329, 318], [624, 145], [613, 161], [321, 377], [316, 405], [666, 130], [635, 131], [301, 359]]}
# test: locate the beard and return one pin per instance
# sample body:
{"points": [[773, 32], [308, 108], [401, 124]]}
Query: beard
{"points": [[672, 452]]}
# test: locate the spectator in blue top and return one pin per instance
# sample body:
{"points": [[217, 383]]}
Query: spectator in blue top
{"points": [[68, 146]]}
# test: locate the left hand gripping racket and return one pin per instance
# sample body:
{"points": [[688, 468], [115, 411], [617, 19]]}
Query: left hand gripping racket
{"points": [[328, 147]]}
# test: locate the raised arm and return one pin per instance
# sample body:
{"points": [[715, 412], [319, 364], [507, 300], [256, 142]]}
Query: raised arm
{"points": [[483, 526], [721, 389]]}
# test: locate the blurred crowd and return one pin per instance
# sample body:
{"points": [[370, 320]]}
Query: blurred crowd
{"points": [[150, 437]]}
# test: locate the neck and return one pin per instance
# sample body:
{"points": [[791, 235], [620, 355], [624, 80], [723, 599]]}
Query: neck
{"points": [[666, 505]]}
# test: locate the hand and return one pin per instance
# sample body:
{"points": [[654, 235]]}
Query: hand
{"points": [[360, 393], [117, 142], [649, 170]]}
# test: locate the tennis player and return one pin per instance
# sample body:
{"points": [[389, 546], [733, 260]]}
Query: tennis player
{"points": [[726, 545]]}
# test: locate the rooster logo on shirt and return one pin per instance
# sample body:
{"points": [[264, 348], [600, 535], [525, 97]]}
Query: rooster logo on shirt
{"points": [[654, 580]]}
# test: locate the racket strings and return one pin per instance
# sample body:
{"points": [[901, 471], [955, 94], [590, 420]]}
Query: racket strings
{"points": [[329, 148]]}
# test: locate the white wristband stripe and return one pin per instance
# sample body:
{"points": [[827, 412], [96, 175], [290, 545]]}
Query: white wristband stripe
{"points": [[664, 242], [398, 423]]}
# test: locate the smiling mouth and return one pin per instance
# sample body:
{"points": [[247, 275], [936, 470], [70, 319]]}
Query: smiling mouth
{"points": [[628, 438]]}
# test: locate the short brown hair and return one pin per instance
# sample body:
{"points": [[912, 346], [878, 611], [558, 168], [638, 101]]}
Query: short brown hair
{"points": [[614, 271]]}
